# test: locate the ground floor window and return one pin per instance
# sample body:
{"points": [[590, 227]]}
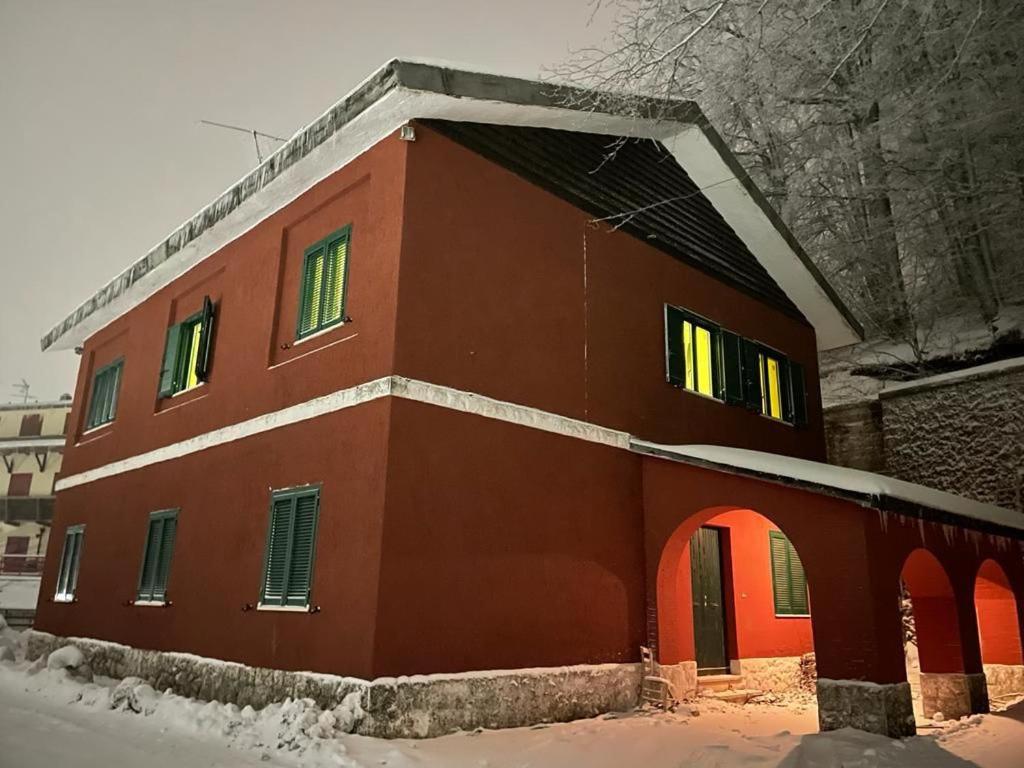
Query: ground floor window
{"points": [[291, 541], [67, 576], [156, 556], [789, 584]]}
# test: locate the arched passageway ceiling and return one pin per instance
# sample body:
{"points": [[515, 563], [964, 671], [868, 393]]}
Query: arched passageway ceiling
{"points": [[999, 617], [936, 616]]}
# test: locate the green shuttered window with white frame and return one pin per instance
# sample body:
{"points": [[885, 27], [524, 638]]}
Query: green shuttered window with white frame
{"points": [[186, 360], [156, 556], [704, 358], [291, 547], [70, 557], [789, 584], [106, 385], [324, 285]]}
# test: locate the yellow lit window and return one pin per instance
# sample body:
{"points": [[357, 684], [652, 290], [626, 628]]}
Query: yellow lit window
{"points": [[698, 358], [771, 387]]}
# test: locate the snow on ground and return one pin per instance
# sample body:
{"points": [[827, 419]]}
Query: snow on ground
{"points": [[48, 718], [20, 592]]}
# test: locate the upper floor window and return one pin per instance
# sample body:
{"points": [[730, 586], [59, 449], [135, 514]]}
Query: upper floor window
{"points": [[291, 540], [324, 279], [103, 401], [187, 352], [67, 575], [709, 360]]}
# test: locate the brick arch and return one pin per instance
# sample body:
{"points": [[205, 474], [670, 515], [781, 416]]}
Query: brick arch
{"points": [[998, 615], [936, 615]]}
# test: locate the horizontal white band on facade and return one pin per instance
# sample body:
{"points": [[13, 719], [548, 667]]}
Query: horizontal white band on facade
{"points": [[388, 386]]}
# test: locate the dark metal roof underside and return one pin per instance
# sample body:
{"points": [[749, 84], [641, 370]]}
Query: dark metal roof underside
{"points": [[636, 185]]}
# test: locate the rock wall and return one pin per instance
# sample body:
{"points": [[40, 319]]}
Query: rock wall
{"points": [[1005, 679], [885, 709], [853, 435], [406, 707], [778, 675], [960, 433]]}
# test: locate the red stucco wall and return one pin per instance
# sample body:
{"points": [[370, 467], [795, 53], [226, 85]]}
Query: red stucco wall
{"points": [[508, 291], [223, 495], [255, 282], [999, 617], [506, 547]]}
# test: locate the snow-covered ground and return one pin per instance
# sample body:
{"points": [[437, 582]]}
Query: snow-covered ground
{"points": [[47, 719]]}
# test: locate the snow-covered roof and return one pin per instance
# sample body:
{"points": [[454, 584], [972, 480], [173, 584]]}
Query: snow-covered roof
{"points": [[405, 90], [876, 490]]}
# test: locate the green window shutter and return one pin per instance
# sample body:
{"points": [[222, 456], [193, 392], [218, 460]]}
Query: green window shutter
{"points": [[163, 565], [797, 584], [300, 563], [205, 340], [276, 556], [150, 556], [732, 368], [798, 387], [169, 373], [114, 387], [67, 576], [312, 291], [675, 356], [780, 573], [156, 557], [335, 266], [789, 584], [103, 400], [786, 393], [751, 374]]}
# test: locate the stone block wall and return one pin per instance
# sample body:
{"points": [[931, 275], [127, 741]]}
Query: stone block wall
{"points": [[962, 433], [418, 706], [853, 434]]}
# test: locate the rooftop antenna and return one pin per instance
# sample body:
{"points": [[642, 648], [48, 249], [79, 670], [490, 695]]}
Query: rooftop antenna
{"points": [[251, 131], [23, 387]]}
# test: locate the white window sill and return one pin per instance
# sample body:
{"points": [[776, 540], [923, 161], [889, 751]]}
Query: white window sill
{"points": [[792, 615], [185, 391], [156, 603], [321, 332], [63, 598], [283, 608]]}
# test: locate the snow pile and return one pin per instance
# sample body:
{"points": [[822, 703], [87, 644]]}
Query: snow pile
{"points": [[66, 721]]}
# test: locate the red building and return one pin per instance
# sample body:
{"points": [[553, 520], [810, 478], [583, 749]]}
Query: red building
{"points": [[466, 378]]}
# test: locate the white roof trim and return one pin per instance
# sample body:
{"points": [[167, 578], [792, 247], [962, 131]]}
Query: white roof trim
{"points": [[403, 91]]}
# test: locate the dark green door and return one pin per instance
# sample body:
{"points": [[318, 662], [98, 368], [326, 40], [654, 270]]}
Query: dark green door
{"points": [[708, 603]]}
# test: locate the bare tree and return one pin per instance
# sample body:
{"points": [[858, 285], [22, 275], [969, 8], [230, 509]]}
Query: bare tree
{"points": [[889, 135]]}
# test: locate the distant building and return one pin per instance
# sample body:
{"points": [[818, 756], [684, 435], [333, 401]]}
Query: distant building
{"points": [[31, 451]]}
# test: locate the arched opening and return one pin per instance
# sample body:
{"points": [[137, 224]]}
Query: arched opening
{"points": [[999, 623], [935, 663], [733, 607]]}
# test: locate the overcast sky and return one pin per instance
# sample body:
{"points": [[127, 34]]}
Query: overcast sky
{"points": [[101, 150]]}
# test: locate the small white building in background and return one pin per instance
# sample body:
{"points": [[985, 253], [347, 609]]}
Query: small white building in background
{"points": [[31, 450]]}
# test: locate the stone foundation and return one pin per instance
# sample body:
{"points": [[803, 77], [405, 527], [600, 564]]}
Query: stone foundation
{"points": [[405, 707], [1004, 679], [873, 707], [683, 677], [954, 694], [779, 675]]}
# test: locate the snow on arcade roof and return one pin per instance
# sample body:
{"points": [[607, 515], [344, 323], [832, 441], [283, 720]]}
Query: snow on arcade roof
{"points": [[878, 491], [402, 91]]}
